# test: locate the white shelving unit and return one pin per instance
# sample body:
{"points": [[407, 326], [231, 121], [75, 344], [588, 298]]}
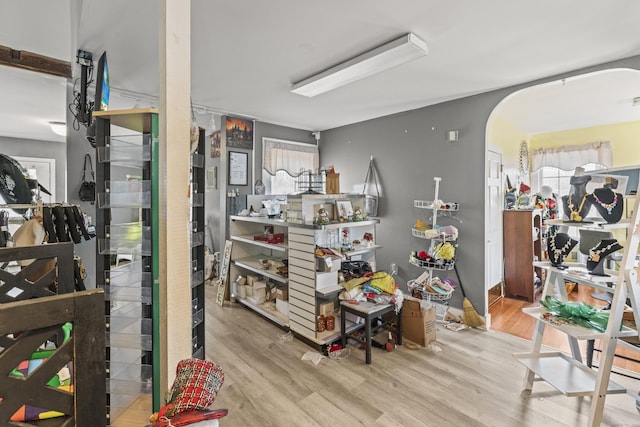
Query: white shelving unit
{"points": [[435, 238], [307, 288], [568, 373]]}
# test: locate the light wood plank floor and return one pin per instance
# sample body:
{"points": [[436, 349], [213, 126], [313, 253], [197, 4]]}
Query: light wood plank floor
{"points": [[471, 379]]}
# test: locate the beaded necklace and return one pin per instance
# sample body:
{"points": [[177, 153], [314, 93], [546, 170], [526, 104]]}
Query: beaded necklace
{"points": [[558, 252], [575, 215], [594, 255], [608, 206]]}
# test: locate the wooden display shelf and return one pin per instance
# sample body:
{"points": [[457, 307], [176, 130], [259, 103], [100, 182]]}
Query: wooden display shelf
{"points": [[253, 264], [271, 314], [281, 247], [568, 376], [575, 331]]}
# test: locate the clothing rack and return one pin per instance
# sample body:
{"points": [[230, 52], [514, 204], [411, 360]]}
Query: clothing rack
{"points": [[63, 222]]}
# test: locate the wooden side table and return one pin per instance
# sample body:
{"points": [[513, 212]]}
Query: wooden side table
{"points": [[370, 312]]}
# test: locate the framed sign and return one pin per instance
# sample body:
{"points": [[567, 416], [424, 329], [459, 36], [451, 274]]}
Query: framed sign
{"points": [[224, 272], [238, 168], [239, 133]]}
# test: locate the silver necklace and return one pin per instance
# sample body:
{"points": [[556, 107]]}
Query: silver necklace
{"points": [[594, 255]]}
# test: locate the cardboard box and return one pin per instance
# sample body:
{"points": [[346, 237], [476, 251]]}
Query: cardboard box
{"points": [[328, 263], [333, 183], [282, 306], [327, 308], [418, 322], [282, 293], [252, 278]]}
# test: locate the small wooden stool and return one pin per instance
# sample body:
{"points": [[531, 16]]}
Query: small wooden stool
{"points": [[369, 312]]}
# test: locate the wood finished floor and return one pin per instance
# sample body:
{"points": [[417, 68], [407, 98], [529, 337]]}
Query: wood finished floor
{"points": [[470, 380], [507, 316]]}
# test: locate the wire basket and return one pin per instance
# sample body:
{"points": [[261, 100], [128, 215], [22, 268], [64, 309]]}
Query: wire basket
{"points": [[435, 263], [429, 204], [435, 291], [432, 234]]}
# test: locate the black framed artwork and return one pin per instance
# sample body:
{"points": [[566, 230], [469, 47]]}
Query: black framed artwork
{"points": [[238, 168]]}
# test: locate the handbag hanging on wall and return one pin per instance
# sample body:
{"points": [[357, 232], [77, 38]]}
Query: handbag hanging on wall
{"points": [[87, 190]]}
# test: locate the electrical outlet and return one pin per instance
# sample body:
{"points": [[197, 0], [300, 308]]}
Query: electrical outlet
{"points": [[394, 269]]}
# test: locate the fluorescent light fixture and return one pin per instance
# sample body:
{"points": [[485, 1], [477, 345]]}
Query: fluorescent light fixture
{"points": [[59, 128], [391, 54]]}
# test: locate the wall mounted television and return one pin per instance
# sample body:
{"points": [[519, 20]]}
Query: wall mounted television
{"points": [[102, 85]]}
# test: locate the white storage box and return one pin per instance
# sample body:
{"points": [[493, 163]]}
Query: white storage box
{"points": [[325, 280], [282, 306], [256, 300]]}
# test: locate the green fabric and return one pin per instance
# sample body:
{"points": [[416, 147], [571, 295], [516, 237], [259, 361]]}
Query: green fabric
{"points": [[580, 313]]}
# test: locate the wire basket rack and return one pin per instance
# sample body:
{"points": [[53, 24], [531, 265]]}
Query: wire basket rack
{"points": [[434, 291], [435, 263]]}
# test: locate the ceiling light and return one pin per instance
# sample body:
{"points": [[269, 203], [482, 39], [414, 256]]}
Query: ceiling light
{"points": [[59, 128], [381, 58]]}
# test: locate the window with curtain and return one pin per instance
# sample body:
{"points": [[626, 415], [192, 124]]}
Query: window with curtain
{"points": [[553, 166], [283, 161]]}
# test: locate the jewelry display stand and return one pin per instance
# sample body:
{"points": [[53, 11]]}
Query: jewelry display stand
{"points": [[576, 205], [608, 204], [598, 255], [558, 247], [567, 372]]}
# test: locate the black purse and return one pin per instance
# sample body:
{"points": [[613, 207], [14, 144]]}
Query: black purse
{"points": [[87, 190]]}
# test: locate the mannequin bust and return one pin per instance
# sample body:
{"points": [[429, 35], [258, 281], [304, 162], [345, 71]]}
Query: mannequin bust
{"points": [[576, 204], [598, 255], [558, 247], [607, 203]]}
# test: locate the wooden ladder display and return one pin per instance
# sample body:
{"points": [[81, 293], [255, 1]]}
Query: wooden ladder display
{"points": [[568, 373]]}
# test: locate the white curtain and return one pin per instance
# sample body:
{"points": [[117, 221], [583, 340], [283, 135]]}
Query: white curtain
{"points": [[291, 157], [568, 157]]}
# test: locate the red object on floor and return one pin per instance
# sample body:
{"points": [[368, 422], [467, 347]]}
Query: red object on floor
{"points": [[190, 417]]}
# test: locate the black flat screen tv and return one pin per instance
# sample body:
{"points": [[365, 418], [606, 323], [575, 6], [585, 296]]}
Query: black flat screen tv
{"points": [[102, 85]]}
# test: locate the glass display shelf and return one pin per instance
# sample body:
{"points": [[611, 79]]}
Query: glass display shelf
{"points": [[134, 340], [124, 200], [142, 295], [197, 238], [129, 324], [199, 354], [197, 160], [197, 318], [116, 278], [197, 200], [127, 149], [109, 247], [197, 278]]}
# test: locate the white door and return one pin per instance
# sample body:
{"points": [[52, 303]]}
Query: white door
{"points": [[44, 170], [495, 202]]}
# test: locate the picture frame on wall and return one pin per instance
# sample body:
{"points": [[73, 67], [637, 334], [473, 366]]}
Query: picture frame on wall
{"points": [[215, 144], [212, 178], [344, 209], [238, 168], [239, 133]]}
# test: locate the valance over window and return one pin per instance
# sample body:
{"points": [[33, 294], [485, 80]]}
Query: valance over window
{"points": [[568, 157], [291, 157]]}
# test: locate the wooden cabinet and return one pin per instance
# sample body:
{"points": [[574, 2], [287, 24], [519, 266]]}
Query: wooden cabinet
{"points": [[522, 245]]}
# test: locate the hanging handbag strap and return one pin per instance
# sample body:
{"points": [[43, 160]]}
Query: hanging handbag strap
{"points": [[371, 173], [84, 168]]}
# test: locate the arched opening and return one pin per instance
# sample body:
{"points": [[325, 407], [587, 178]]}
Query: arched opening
{"points": [[568, 112]]}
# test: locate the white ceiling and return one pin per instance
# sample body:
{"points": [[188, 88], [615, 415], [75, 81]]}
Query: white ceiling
{"points": [[246, 54]]}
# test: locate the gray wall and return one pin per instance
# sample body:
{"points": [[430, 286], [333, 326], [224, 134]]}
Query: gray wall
{"points": [[40, 149], [409, 149]]}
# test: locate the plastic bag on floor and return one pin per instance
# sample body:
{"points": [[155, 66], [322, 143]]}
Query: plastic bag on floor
{"points": [[313, 356]]}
